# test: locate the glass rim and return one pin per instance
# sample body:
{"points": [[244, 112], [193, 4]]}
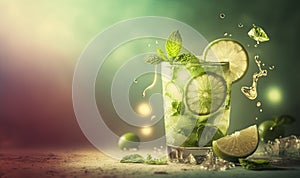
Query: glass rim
{"points": [[202, 63]]}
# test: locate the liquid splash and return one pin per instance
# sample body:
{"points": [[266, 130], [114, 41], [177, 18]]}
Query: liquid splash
{"points": [[251, 92], [152, 84]]}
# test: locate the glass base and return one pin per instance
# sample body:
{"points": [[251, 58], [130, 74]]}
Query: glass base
{"points": [[192, 155]]}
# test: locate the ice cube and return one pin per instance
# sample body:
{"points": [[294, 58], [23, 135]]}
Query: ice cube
{"points": [[285, 147]]}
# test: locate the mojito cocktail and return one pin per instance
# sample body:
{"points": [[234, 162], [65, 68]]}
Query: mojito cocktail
{"points": [[197, 106], [196, 94]]}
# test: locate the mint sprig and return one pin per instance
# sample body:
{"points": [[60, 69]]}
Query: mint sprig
{"points": [[172, 47], [153, 59]]}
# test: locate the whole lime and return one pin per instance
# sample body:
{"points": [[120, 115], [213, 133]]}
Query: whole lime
{"points": [[269, 130], [129, 141]]}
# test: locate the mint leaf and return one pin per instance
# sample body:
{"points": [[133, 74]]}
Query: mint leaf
{"points": [[259, 164], [156, 161], [186, 58], [133, 158], [153, 59], [177, 108], [162, 54], [174, 44]]}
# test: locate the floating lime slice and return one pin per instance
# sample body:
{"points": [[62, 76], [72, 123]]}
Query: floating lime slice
{"points": [[205, 93], [228, 50]]}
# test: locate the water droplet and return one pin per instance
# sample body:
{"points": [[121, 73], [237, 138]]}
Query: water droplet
{"points": [[271, 128], [258, 104], [156, 42], [135, 81], [222, 15], [263, 64], [248, 45], [256, 118], [240, 25], [152, 117], [230, 34], [255, 45], [225, 34], [261, 110], [271, 67], [149, 45], [256, 57]]}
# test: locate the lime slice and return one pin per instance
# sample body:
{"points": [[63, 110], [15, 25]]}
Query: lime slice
{"points": [[240, 144], [228, 50], [205, 93]]}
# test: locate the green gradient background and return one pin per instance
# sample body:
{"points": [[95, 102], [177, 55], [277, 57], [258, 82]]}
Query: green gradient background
{"points": [[40, 42]]}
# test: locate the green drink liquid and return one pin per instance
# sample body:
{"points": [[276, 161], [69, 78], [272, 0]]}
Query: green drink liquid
{"points": [[196, 106]]}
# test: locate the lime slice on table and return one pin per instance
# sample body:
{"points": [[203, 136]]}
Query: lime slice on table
{"points": [[240, 144], [205, 93], [228, 50]]}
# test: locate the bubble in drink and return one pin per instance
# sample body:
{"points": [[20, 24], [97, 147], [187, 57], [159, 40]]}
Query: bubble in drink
{"points": [[156, 42], [222, 15]]}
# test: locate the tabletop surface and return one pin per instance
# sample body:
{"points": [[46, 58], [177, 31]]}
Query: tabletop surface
{"points": [[93, 163]]}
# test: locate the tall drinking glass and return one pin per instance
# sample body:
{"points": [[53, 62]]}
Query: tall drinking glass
{"points": [[196, 107]]}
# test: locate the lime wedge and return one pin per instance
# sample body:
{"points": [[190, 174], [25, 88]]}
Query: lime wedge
{"points": [[205, 93], [228, 50], [240, 144]]}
